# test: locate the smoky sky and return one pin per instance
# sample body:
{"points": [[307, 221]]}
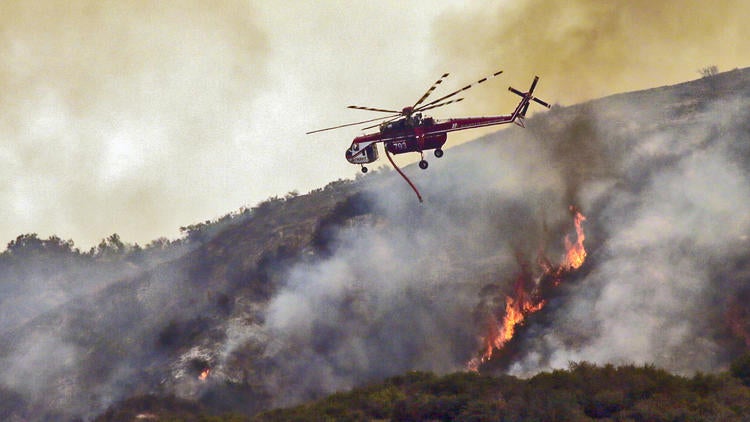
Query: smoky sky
{"points": [[585, 49], [139, 118], [113, 112]]}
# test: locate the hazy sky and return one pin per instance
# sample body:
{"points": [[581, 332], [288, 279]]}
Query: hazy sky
{"points": [[138, 117]]}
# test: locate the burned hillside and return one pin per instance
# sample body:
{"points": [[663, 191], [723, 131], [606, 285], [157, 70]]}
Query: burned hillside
{"points": [[310, 294]]}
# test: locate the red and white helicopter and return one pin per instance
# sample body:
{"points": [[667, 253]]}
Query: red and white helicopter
{"points": [[409, 131]]}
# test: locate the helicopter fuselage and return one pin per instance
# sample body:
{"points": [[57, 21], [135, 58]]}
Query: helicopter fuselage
{"points": [[415, 135]]}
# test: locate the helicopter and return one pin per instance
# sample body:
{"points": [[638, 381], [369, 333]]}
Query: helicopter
{"points": [[408, 130]]}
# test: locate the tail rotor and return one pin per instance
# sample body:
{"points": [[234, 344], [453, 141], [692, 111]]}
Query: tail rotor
{"points": [[528, 97]]}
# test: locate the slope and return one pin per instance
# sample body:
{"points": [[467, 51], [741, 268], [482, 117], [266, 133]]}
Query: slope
{"points": [[307, 295]]}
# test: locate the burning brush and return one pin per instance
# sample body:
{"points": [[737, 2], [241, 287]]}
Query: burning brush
{"points": [[526, 297], [199, 368]]}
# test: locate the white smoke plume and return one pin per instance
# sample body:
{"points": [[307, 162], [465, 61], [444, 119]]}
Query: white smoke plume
{"points": [[399, 290], [666, 190], [676, 221]]}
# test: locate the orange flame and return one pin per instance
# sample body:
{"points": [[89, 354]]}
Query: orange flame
{"points": [[575, 253], [204, 374], [523, 303], [516, 308]]}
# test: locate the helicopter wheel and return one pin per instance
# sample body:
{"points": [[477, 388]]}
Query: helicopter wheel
{"points": [[438, 153], [423, 164], [364, 169]]}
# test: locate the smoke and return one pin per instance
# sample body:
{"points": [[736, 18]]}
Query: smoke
{"points": [[137, 118], [658, 289], [586, 49], [112, 111], [664, 185], [399, 290], [403, 286]]}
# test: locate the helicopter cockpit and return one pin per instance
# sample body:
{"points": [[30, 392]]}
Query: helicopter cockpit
{"points": [[401, 124]]}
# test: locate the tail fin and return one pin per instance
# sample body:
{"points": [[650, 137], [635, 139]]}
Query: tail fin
{"points": [[527, 98]]}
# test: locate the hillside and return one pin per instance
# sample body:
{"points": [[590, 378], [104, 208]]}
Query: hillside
{"points": [[306, 295], [584, 392]]}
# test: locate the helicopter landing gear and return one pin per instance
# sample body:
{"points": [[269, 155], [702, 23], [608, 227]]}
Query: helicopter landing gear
{"points": [[364, 169], [423, 164], [438, 153]]}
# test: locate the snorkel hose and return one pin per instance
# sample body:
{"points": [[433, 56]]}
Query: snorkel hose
{"points": [[414, 188]]}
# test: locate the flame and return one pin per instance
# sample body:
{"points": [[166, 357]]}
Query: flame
{"points": [[517, 306], [522, 303], [204, 374], [575, 253]]}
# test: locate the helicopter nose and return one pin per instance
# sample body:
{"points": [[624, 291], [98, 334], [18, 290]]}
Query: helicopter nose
{"points": [[349, 154]]}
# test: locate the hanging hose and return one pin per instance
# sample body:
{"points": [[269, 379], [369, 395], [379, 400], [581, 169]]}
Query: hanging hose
{"points": [[414, 188]]}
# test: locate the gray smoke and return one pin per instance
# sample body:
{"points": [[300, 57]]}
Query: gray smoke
{"points": [[665, 186], [112, 109], [666, 189], [80, 332], [400, 289], [675, 222]]}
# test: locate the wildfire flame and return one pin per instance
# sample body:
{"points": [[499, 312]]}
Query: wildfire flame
{"points": [[522, 303], [575, 253], [204, 374]]}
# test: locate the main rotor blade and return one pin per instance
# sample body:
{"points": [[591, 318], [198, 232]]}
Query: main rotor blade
{"points": [[445, 97], [429, 91], [440, 105], [352, 124], [373, 109]]}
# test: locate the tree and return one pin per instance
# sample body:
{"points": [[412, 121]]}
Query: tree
{"points": [[110, 247], [30, 243], [161, 244], [25, 244], [709, 71]]}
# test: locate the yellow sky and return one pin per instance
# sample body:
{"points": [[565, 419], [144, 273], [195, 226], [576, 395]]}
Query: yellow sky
{"points": [[138, 117], [590, 48]]}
